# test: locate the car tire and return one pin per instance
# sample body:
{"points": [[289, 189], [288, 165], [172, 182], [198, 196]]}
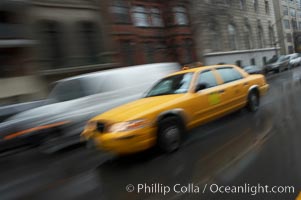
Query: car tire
{"points": [[253, 101], [169, 134]]}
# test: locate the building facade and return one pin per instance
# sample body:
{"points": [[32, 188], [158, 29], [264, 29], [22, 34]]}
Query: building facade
{"points": [[239, 32], [148, 31], [42, 41], [288, 21]]}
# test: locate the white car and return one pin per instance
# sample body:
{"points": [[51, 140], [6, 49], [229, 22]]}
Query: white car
{"points": [[295, 59], [75, 100]]}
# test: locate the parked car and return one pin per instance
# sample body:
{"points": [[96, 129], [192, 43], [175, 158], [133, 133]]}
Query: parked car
{"points": [[178, 102], [253, 69], [75, 100], [277, 64], [294, 59]]}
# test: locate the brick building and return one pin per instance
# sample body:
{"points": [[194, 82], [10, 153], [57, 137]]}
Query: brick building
{"points": [[42, 41], [148, 31]]}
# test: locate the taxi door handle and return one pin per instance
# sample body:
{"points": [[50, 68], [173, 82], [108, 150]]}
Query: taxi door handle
{"points": [[221, 91], [246, 84]]}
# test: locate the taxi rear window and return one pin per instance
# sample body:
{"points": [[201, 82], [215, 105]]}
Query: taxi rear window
{"points": [[229, 74]]}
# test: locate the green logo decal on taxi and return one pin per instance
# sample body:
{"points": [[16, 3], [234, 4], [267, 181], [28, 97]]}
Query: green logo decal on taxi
{"points": [[214, 98]]}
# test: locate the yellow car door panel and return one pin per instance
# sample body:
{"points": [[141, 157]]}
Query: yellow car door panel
{"points": [[207, 101], [236, 85]]}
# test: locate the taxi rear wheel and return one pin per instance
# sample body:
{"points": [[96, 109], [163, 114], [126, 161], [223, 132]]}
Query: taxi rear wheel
{"points": [[253, 101], [169, 134]]}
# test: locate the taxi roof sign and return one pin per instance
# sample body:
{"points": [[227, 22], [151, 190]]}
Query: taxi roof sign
{"points": [[192, 65]]}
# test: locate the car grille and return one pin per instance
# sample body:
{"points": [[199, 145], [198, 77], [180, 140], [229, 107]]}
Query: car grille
{"points": [[101, 127]]}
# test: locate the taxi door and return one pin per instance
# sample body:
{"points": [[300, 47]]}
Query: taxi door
{"points": [[235, 86], [206, 101]]}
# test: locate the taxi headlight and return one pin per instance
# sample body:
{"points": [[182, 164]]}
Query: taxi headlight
{"points": [[128, 126]]}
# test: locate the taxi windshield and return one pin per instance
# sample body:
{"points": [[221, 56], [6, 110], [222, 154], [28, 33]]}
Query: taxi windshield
{"points": [[176, 84]]}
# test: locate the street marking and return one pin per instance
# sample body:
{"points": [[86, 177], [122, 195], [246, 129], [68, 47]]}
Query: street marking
{"points": [[227, 144]]}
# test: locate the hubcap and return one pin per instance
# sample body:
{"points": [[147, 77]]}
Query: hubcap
{"points": [[172, 137], [254, 101]]}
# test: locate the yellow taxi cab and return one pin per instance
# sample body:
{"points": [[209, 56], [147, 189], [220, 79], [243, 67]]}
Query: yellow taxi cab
{"points": [[177, 103]]}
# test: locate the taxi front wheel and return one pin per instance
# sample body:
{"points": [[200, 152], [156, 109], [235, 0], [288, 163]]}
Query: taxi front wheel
{"points": [[253, 101], [169, 134]]}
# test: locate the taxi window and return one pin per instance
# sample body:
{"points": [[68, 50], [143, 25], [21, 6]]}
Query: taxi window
{"points": [[229, 74], [208, 78], [176, 84]]}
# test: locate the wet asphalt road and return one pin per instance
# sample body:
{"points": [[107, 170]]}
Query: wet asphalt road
{"points": [[239, 149]]}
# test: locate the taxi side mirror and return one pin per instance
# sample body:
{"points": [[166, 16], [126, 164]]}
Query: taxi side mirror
{"points": [[201, 86]]}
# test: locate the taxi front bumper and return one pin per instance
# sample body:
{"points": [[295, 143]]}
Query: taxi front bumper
{"points": [[264, 89], [125, 142]]}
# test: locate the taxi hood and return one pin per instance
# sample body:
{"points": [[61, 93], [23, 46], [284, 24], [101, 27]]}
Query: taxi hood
{"points": [[139, 108]]}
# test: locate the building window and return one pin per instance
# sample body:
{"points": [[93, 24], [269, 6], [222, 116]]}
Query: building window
{"points": [[264, 60], [260, 37], [120, 11], [298, 3], [5, 17], [127, 52], [160, 51], [90, 42], [51, 44], [290, 49], [289, 37], [272, 36], [248, 37], [149, 52], [140, 16], [285, 10], [232, 37], [255, 4], [7, 67], [180, 15], [267, 7], [228, 2], [294, 24], [188, 51], [299, 25], [222, 2], [215, 36], [253, 61], [286, 24], [292, 12], [242, 4], [156, 17]]}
